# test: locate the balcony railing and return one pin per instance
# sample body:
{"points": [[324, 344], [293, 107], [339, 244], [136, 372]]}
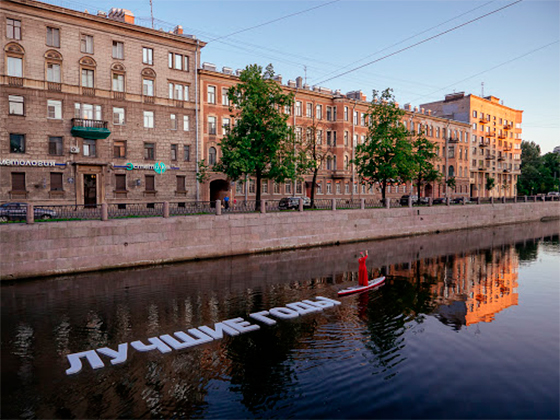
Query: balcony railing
{"points": [[54, 86], [89, 129], [87, 91], [490, 157], [508, 126], [490, 134], [453, 140], [482, 144], [483, 120], [84, 122], [120, 96]]}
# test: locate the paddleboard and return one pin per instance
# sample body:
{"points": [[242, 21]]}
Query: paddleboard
{"points": [[358, 289]]}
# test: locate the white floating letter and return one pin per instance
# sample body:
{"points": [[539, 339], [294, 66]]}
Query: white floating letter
{"points": [[156, 344], [118, 356], [76, 364], [302, 307], [284, 313], [219, 329], [241, 325], [260, 316], [187, 340]]}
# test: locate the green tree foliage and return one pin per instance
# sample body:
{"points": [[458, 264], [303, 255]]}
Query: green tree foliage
{"points": [[490, 182], [539, 174], [260, 143], [424, 158], [386, 155]]}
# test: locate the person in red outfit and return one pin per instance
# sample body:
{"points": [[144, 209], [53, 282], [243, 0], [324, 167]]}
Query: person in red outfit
{"points": [[362, 269]]}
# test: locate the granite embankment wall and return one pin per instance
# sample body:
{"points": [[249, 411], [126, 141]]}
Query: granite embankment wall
{"points": [[43, 249]]}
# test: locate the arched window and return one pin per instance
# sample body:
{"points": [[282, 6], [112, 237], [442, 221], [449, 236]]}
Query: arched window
{"points": [[53, 70], [334, 163], [148, 85], [87, 72], [346, 162], [212, 156], [451, 171], [118, 80], [14, 63], [329, 163]]}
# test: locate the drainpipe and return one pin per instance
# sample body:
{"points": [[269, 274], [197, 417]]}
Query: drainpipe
{"points": [[353, 151], [197, 102], [302, 134], [446, 157]]}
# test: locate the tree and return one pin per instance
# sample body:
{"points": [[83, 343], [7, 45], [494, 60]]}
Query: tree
{"points": [[260, 143], [386, 153], [424, 169], [316, 150], [539, 174], [490, 182]]}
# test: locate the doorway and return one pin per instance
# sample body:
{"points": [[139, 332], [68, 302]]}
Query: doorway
{"points": [[90, 190], [218, 190]]}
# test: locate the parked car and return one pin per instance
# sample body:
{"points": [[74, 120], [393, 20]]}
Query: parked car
{"points": [[438, 200], [415, 201], [18, 211], [459, 200], [288, 203]]}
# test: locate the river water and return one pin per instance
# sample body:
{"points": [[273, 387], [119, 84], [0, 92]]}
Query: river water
{"points": [[465, 326]]}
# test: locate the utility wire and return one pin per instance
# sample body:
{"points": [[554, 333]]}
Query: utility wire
{"points": [[490, 69], [410, 37], [274, 20], [419, 43]]}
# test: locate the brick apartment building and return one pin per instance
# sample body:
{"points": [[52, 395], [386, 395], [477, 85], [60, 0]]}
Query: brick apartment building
{"points": [[92, 107], [90, 104], [340, 123], [495, 141]]}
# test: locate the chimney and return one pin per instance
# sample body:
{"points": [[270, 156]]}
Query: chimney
{"points": [[291, 83], [121, 15], [407, 107], [299, 82], [227, 70], [306, 86], [209, 66], [178, 30], [422, 110], [429, 112], [415, 109], [101, 13], [278, 78]]}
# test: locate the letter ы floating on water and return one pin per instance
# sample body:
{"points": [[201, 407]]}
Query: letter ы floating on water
{"points": [[180, 340]]}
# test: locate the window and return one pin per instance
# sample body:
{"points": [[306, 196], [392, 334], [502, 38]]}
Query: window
{"points": [[87, 78], [347, 188], [87, 111], [53, 37], [346, 162], [226, 124], [90, 148], [338, 187], [264, 186], [186, 125], [239, 187], [118, 82], [149, 151], [148, 87], [474, 114], [329, 113], [309, 111], [355, 117], [119, 149], [251, 186], [211, 94], [225, 97], [15, 105], [181, 186], [178, 61], [346, 138], [13, 28], [56, 181], [319, 111], [173, 121], [120, 182], [53, 72], [174, 149], [148, 119], [187, 153], [17, 143], [147, 55], [288, 188], [211, 125], [363, 120], [18, 182], [329, 187], [150, 182], [212, 156], [320, 187], [299, 109], [87, 44], [178, 91], [15, 66], [276, 188], [118, 50], [345, 113], [299, 188], [118, 116], [55, 146]]}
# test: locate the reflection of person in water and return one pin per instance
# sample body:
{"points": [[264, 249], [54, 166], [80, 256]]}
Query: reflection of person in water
{"points": [[362, 269]]}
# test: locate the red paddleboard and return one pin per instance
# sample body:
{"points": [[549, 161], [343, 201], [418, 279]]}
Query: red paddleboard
{"points": [[358, 289]]}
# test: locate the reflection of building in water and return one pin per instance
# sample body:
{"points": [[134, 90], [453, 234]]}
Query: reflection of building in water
{"points": [[467, 289]]}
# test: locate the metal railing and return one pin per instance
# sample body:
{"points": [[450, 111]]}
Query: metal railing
{"points": [[46, 213]]}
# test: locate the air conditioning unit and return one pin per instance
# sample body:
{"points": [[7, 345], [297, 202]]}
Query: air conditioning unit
{"points": [[74, 149]]}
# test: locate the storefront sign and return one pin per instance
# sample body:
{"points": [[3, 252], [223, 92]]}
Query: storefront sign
{"points": [[158, 167], [41, 163], [197, 336]]}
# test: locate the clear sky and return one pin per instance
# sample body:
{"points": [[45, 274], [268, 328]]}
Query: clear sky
{"points": [[514, 52]]}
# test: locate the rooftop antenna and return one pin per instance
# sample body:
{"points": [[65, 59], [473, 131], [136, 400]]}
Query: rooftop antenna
{"points": [[482, 89], [152, 13]]}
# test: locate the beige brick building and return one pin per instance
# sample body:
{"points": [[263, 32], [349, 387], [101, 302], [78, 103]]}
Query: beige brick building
{"points": [[495, 141], [90, 104]]}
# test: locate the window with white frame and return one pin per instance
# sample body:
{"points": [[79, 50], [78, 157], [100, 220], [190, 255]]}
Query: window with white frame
{"points": [[309, 110], [178, 61], [288, 187], [298, 109], [15, 66], [148, 87], [178, 91], [345, 113], [173, 122], [118, 82], [363, 120], [13, 28], [148, 119], [240, 187], [118, 50], [90, 148], [15, 105], [226, 124], [87, 111], [211, 94], [53, 72], [319, 112], [147, 55], [86, 43], [54, 109], [118, 116], [211, 125], [225, 97], [356, 113], [186, 123], [329, 187], [53, 37], [264, 186], [88, 78]]}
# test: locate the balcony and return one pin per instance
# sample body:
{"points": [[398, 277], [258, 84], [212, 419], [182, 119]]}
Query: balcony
{"points": [[90, 129], [149, 99], [490, 157], [482, 144], [508, 126], [490, 134], [508, 149], [483, 120], [507, 171], [88, 91], [15, 81], [340, 173], [501, 159], [54, 86], [502, 136], [453, 140], [119, 96]]}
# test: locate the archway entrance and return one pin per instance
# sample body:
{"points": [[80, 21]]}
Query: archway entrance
{"points": [[428, 191], [218, 190]]}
